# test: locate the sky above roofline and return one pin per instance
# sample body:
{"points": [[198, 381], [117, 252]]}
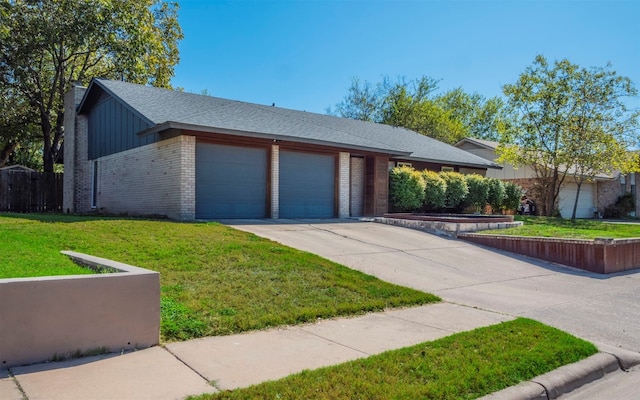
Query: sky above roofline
{"points": [[303, 54]]}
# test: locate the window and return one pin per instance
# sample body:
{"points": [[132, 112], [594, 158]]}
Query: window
{"points": [[446, 169], [623, 184], [94, 184], [404, 164]]}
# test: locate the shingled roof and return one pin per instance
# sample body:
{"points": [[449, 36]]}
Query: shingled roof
{"points": [[165, 109]]}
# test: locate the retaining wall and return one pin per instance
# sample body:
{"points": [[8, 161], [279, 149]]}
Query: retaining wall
{"points": [[446, 228], [57, 316], [602, 255]]}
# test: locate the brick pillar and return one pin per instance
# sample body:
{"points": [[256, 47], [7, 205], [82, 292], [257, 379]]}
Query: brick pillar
{"points": [[343, 185], [275, 181], [77, 168]]}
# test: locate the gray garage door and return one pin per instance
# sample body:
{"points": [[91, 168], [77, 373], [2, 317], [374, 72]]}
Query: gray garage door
{"points": [[231, 182], [306, 185]]}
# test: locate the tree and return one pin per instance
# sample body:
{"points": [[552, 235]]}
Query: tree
{"points": [[447, 117], [569, 118], [47, 44], [362, 102], [481, 117]]}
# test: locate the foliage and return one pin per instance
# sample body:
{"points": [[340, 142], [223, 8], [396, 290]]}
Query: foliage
{"points": [[622, 207], [448, 117], [435, 190], [46, 45], [230, 280], [482, 118], [570, 229], [457, 189], [512, 195], [569, 119], [466, 365], [406, 189], [478, 191], [496, 193]]}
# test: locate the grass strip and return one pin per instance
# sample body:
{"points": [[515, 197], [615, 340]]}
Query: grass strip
{"points": [[565, 228], [215, 280], [466, 365]]}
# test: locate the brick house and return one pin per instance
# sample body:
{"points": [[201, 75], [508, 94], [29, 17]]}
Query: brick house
{"points": [[139, 150], [594, 197]]}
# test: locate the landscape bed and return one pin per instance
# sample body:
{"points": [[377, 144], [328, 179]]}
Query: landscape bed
{"points": [[448, 224]]}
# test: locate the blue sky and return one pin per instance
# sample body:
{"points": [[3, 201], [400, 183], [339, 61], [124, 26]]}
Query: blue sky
{"points": [[303, 54]]}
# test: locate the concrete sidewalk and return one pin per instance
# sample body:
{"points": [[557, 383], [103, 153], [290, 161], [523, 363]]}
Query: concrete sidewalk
{"points": [[227, 362]]}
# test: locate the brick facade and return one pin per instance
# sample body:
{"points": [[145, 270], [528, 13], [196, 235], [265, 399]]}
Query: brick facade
{"points": [[356, 198], [77, 167], [275, 181], [609, 191], [156, 179], [343, 185]]}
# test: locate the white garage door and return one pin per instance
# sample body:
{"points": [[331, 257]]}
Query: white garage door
{"points": [[585, 201]]}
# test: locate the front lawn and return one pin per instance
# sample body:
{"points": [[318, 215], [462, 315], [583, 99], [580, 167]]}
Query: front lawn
{"points": [[215, 280], [565, 228], [466, 365]]}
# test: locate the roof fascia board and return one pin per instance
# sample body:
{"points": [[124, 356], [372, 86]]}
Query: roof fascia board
{"points": [[430, 160], [209, 129]]}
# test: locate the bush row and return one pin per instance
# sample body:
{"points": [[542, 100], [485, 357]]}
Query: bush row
{"points": [[430, 191]]}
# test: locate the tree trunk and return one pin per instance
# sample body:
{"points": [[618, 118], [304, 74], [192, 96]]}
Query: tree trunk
{"points": [[5, 153], [575, 203]]}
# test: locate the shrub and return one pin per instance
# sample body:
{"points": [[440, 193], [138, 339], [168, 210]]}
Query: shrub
{"points": [[435, 190], [406, 189], [496, 193], [478, 191], [512, 195], [622, 207], [456, 189]]}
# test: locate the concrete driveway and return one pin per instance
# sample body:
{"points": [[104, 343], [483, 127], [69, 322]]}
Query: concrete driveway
{"points": [[604, 309]]}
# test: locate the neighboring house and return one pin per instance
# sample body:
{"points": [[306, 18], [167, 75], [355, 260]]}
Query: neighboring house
{"points": [[139, 150], [595, 195]]}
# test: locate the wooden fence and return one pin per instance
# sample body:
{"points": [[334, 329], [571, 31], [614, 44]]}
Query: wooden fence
{"points": [[23, 191]]}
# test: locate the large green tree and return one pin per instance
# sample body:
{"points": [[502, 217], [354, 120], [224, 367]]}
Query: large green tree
{"points": [[415, 105], [482, 118], [571, 121], [47, 44]]}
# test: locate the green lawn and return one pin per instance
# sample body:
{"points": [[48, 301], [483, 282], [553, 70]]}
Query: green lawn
{"points": [[467, 365], [215, 280], [565, 228]]}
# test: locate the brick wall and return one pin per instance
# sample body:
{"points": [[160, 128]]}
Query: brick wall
{"points": [[156, 179], [357, 187], [343, 184], [77, 167], [610, 190], [275, 181]]}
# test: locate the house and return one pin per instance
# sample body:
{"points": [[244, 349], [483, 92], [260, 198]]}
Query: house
{"points": [[139, 150], [595, 195]]}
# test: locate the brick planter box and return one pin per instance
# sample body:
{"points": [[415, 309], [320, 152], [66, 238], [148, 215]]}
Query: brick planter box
{"points": [[602, 255], [57, 316]]}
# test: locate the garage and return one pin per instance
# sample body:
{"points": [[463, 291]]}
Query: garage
{"points": [[585, 201], [307, 185], [231, 181]]}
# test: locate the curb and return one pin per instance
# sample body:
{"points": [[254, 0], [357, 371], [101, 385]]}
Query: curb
{"points": [[570, 377]]}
